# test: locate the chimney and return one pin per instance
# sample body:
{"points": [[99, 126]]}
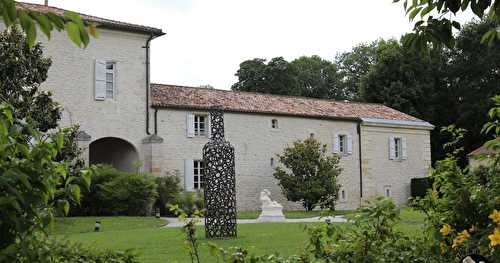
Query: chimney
{"points": [[46, 2]]}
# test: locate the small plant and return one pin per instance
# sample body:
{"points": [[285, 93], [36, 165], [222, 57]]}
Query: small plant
{"points": [[191, 243]]}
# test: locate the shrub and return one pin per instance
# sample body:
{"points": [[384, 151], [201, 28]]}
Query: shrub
{"points": [[420, 186], [168, 188], [189, 202], [118, 193], [310, 176], [38, 248]]}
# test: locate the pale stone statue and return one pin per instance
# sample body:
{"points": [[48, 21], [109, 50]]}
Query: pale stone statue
{"points": [[272, 211]]}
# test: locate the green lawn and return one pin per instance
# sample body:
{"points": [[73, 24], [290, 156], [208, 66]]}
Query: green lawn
{"points": [[154, 244]]}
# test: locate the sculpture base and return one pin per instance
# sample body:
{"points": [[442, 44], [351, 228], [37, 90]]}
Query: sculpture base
{"points": [[272, 214]]}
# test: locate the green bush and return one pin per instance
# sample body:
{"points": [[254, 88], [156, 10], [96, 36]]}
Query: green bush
{"points": [[38, 248], [420, 186], [168, 189], [113, 192], [189, 202]]}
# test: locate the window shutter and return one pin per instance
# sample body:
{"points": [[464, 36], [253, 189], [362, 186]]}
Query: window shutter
{"points": [[349, 144], [100, 80], [188, 175], [190, 125], [336, 146], [404, 154], [392, 149]]}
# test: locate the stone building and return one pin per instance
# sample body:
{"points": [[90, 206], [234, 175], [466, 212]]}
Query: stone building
{"points": [[161, 129]]}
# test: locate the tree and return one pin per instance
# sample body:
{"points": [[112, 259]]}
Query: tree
{"points": [[318, 78], [438, 29], [21, 74], [310, 175], [275, 77], [353, 65], [77, 29]]}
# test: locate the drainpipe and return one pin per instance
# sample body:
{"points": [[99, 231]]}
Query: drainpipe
{"points": [[156, 122], [360, 162], [151, 37]]}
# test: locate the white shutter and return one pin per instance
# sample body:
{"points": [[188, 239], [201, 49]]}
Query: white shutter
{"points": [[190, 125], [188, 175], [336, 146], [404, 154], [392, 149], [349, 144], [100, 80]]}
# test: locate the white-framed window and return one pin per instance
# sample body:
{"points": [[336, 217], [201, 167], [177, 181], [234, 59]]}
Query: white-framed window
{"points": [[397, 148], [342, 144], [197, 125], [110, 80], [198, 175], [272, 162], [193, 175], [274, 124], [105, 80]]}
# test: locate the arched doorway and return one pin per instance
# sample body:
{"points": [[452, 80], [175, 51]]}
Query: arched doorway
{"points": [[115, 152]]}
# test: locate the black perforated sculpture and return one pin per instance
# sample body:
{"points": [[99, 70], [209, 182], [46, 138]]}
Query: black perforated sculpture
{"points": [[220, 184]]}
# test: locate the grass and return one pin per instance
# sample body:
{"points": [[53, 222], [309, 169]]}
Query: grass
{"points": [[154, 244]]}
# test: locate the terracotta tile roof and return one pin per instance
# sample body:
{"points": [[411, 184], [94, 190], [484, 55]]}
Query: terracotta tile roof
{"points": [[483, 150], [100, 22], [202, 98]]}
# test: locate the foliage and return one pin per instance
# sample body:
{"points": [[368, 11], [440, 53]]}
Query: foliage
{"points": [[23, 70], [191, 242], [278, 76], [115, 192], [168, 189], [77, 29], [372, 238], [355, 64], [73, 225], [30, 176], [38, 248], [318, 78], [437, 20], [310, 176], [189, 202], [462, 207]]}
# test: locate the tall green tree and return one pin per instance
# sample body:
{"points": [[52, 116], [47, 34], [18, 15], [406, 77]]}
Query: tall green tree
{"points": [[275, 77], [22, 72], [353, 65], [318, 78], [309, 174]]}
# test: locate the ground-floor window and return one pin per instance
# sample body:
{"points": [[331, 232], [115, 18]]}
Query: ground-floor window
{"points": [[198, 178]]}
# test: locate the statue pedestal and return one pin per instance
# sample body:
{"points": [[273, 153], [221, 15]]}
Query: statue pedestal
{"points": [[271, 214]]}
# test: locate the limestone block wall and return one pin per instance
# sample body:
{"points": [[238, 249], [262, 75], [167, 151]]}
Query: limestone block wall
{"points": [[71, 80], [255, 143], [380, 173]]}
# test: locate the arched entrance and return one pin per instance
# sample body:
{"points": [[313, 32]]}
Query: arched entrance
{"points": [[115, 152]]}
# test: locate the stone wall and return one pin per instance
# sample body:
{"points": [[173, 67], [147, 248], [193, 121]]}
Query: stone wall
{"points": [[256, 143]]}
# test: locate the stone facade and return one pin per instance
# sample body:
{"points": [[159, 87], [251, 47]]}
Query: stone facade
{"points": [[256, 142]]}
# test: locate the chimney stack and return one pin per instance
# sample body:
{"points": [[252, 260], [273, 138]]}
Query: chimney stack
{"points": [[46, 2]]}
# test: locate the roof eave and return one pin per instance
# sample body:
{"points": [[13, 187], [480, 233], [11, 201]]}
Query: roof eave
{"points": [[421, 125]]}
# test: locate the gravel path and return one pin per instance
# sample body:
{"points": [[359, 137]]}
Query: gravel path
{"points": [[174, 222]]}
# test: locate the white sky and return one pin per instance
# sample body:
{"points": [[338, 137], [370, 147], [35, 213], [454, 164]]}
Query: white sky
{"points": [[207, 39]]}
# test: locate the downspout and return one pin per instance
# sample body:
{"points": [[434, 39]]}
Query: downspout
{"points": [[156, 121], [360, 162], [151, 37]]}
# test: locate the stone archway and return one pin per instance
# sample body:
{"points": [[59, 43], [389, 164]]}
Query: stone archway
{"points": [[114, 151]]}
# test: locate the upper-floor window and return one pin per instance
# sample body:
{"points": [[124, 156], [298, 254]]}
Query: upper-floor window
{"points": [[397, 149], [342, 144], [197, 125], [110, 80], [105, 80], [274, 123]]}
